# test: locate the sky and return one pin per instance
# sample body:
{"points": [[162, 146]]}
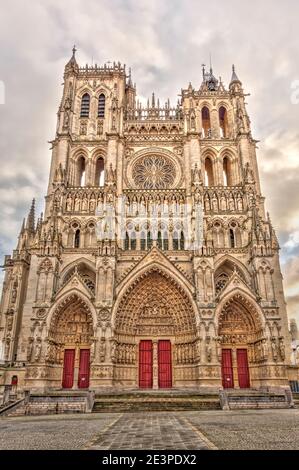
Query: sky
{"points": [[165, 43]]}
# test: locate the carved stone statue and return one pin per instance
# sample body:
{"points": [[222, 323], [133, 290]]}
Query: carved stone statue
{"points": [[274, 349], [14, 292], [215, 203], [113, 347], [37, 350], [265, 349], [69, 203], [282, 349], [208, 350], [7, 349], [102, 350]]}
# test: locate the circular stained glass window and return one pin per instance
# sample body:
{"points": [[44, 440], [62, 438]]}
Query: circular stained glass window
{"points": [[154, 172]]}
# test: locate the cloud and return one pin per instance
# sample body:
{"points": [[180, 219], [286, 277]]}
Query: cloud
{"points": [[165, 43]]}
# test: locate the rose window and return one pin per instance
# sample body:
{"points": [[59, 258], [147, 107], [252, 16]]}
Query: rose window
{"points": [[154, 172]]}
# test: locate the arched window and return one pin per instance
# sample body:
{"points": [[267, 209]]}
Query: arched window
{"points": [[149, 240], [175, 240], [232, 238], [77, 239], [165, 241], [223, 122], [101, 106], [133, 240], [81, 172], [159, 240], [209, 177], [182, 241], [100, 172], [127, 242], [227, 179], [85, 104], [142, 240], [206, 122]]}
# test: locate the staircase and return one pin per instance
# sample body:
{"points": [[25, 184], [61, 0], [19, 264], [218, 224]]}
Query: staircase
{"points": [[169, 400], [296, 399], [254, 399]]}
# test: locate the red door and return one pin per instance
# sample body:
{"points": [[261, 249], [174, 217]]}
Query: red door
{"points": [[164, 364], [146, 364], [83, 377], [243, 370], [68, 368], [227, 369]]}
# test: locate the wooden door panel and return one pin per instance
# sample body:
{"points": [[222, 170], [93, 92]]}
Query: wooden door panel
{"points": [[68, 368], [243, 369], [164, 364], [146, 364], [84, 368], [227, 369]]}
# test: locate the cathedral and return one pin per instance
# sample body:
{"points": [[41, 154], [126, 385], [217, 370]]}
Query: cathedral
{"points": [[155, 264]]}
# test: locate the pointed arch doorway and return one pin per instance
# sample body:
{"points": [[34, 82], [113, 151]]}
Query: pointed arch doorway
{"points": [[70, 340], [157, 316], [239, 329]]}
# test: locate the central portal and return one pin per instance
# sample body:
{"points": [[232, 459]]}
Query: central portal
{"points": [[149, 360], [155, 334]]}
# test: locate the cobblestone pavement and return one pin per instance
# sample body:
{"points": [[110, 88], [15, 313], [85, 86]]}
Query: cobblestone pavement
{"points": [[263, 429]]}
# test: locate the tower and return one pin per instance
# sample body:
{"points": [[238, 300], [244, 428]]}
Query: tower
{"points": [[154, 264]]}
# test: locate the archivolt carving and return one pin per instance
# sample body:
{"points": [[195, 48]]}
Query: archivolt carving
{"points": [[154, 304], [71, 322], [239, 320]]}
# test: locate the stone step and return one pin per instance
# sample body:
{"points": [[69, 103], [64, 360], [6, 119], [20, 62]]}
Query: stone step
{"points": [[114, 404]]}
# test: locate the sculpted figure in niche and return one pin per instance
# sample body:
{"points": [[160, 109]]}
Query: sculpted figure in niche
{"points": [[14, 292], [113, 351], [77, 204], [223, 203], [265, 349], [7, 348], [102, 350], [231, 203], [9, 322], [208, 350], [84, 204], [92, 205], [37, 351], [240, 204], [215, 204], [282, 349], [207, 203], [69, 204], [29, 349], [198, 349], [274, 349]]}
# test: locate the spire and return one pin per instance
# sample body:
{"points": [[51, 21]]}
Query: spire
{"points": [[209, 80], [130, 78], [153, 100], [234, 76], [30, 225], [72, 66], [23, 226]]}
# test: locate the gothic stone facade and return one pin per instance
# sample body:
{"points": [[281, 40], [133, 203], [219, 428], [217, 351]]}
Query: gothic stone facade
{"points": [[155, 264]]}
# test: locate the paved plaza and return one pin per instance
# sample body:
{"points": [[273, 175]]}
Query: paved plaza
{"points": [[247, 429]]}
